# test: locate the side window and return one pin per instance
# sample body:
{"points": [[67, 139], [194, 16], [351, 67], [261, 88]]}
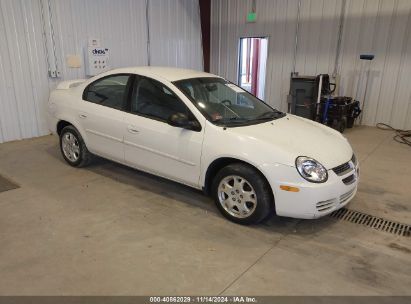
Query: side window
{"points": [[153, 99], [109, 91]]}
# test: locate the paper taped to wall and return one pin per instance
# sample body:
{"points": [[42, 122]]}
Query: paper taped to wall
{"points": [[73, 61]]}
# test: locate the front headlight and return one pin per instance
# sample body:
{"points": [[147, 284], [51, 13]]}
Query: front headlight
{"points": [[311, 170]]}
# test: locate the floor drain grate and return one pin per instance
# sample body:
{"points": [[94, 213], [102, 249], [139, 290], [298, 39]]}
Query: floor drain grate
{"points": [[375, 222]]}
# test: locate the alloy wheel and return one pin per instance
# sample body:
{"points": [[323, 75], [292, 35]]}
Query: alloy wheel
{"points": [[70, 147], [237, 196]]}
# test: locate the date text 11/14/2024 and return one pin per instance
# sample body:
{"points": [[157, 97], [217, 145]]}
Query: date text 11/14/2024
{"points": [[202, 299]]}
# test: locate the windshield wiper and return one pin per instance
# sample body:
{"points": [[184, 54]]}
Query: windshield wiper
{"points": [[232, 120], [235, 120], [268, 115]]}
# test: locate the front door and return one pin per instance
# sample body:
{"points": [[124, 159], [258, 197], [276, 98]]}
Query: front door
{"points": [[151, 144]]}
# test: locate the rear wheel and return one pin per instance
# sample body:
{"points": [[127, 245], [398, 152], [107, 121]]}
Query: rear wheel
{"points": [[73, 148], [242, 194]]}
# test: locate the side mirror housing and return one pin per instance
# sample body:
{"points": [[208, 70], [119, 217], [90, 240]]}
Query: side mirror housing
{"points": [[181, 120]]}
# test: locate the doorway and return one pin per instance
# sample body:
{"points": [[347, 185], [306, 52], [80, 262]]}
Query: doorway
{"points": [[252, 65]]}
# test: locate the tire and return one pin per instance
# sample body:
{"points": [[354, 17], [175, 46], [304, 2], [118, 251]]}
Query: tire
{"points": [[247, 183], [73, 148]]}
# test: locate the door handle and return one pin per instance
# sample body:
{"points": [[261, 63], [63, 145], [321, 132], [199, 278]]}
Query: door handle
{"points": [[132, 129], [83, 116]]}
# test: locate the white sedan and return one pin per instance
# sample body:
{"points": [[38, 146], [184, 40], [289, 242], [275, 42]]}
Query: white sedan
{"points": [[200, 130]]}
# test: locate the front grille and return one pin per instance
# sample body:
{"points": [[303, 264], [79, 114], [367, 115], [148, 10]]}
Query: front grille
{"points": [[346, 167], [349, 180], [325, 205], [342, 169]]}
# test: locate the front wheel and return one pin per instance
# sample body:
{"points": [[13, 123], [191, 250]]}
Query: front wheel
{"points": [[242, 194]]}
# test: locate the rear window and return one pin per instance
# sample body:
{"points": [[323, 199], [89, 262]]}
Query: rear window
{"points": [[108, 91]]}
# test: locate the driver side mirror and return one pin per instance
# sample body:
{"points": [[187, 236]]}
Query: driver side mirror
{"points": [[181, 120]]}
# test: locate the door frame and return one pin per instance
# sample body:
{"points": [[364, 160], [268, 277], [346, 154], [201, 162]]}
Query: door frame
{"points": [[239, 59]]}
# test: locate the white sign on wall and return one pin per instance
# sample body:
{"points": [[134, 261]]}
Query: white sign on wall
{"points": [[97, 58]]}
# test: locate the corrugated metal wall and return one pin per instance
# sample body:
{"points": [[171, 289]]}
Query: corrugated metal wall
{"points": [[120, 25], [175, 34], [381, 27], [23, 71]]}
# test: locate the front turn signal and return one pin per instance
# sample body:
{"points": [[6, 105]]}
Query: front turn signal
{"points": [[289, 188]]}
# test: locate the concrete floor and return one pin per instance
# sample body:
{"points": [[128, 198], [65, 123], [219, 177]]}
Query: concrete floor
{"points": [[111, 230]]}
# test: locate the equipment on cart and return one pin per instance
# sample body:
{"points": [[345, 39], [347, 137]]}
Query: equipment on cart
{"points": [[338, 112], [303, 93], [312, 98]]}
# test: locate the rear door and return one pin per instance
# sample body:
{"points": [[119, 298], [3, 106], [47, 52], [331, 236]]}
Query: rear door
{"points": [[102, 115]]}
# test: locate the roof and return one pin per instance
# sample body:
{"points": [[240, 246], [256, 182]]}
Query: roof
{"points": [[168, 73]]}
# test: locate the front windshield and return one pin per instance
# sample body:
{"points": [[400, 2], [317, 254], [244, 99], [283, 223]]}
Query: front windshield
{"points": [[224, 103]]}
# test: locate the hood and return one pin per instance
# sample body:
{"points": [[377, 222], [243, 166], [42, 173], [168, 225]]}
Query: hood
{"points": [[293, 136]]}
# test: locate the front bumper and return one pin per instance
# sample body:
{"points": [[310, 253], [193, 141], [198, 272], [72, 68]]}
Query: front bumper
{"points": [[312, 200]]}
